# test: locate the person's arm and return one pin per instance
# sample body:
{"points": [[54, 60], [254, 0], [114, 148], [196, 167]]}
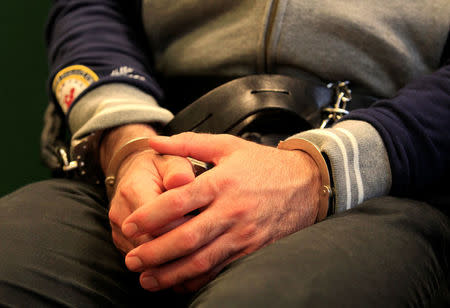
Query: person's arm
{"points": [[255, 195], [415, 129], [99, 69], [398, 146], [100, 78]]}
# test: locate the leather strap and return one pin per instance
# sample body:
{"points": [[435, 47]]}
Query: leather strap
{"points": [[230, 107]]}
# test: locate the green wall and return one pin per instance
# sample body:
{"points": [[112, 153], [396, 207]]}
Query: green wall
{"points": [[23, 98]]}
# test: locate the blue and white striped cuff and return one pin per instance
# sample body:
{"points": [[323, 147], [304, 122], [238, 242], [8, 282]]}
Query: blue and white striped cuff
{"points": [[358, 159]]}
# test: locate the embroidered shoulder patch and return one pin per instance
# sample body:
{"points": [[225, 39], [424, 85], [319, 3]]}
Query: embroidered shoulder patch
{"points": [[70, 82]]}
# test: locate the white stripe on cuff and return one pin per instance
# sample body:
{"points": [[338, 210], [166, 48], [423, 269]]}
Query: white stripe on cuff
{"points": [[345, 158], [355, 163]]}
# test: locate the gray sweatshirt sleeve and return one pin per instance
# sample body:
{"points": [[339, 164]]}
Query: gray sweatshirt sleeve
{"points": [[112, 105], [358, 160]]}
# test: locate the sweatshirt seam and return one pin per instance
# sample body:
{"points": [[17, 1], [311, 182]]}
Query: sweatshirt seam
{"points": [[265, 36], [269, 32], [273, 41]]}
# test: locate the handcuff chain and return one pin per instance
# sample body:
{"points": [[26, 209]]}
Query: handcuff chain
{"points": [[343, 95]]}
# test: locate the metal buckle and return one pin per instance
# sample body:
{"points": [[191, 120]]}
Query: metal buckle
{"points": [[82, 161], [67, 166], [343, 95]]}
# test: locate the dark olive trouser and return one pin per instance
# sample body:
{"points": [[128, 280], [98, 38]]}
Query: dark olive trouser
{"points": [[389, 252]]}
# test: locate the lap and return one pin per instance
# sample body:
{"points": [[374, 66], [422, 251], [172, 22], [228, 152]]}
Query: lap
{"points": [[387, 252], [57, 250]]}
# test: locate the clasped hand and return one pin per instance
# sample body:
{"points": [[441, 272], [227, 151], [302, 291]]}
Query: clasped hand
{"points": [[253, 196]]}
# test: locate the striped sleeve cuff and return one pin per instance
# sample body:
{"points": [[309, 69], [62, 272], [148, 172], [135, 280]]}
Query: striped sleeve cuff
{"points": [[358, 159], [113, 105]]}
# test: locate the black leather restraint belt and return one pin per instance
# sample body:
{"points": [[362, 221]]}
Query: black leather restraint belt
{"points": [[262, 103]]}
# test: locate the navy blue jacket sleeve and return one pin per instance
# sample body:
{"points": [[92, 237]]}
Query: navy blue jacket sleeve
{"points": [[415, 128], [103, 35]]}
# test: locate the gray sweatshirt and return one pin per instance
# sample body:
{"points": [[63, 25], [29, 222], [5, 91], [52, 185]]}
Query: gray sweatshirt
{"points": [[379, 46]]}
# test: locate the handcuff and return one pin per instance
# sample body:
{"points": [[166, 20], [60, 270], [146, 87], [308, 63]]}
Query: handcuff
{"points": [[135, 145], [330, 115], [85, 152], [326, 196], [85, 160]]}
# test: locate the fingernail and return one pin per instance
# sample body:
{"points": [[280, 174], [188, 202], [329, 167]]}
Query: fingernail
{"points": [[150, 283], [133, 263], [130, 229]]}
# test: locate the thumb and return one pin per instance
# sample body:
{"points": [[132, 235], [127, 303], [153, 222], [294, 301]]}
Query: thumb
{"points": [[175, 171], [204, 147]]}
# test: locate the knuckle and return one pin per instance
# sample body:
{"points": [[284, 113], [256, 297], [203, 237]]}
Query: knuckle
{"points": [[126, 189], [227, 137], [187, 137], [237, 214], [230, 140], [247, 232], [224, 182], [113, 216], [167, 280], [177, 202], [201, 264], [215, 186], [189, 241]]}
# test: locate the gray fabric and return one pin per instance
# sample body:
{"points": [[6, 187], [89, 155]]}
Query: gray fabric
{"points": [[358, 159], [112, 105], [387, 43], [377, 255], [220, 37], [57, 251]]}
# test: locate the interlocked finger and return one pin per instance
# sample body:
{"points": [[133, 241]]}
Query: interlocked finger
{"points": [[169, 207], [203, 265], [178, 243]]}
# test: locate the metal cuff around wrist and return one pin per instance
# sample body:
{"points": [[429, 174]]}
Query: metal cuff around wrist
{"points": [[132, 146], [326, 200]]}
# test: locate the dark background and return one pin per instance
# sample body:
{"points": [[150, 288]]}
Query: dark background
{"points": [[23, 97]]}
